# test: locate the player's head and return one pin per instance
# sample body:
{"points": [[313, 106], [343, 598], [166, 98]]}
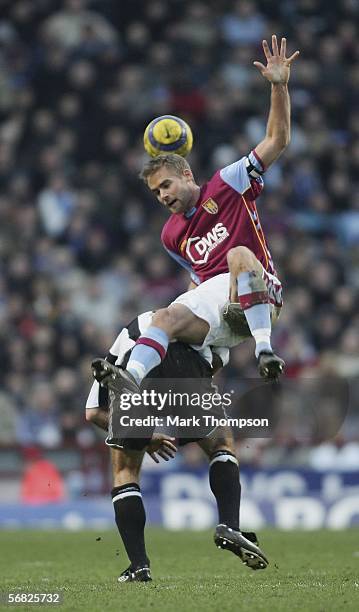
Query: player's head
{"points": [[170, 179]]}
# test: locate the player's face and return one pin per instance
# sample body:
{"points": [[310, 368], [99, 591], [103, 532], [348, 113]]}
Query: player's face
{"points": [[176, 192]]}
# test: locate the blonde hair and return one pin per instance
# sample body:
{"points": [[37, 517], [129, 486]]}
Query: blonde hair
{"points": [[169, 160]]}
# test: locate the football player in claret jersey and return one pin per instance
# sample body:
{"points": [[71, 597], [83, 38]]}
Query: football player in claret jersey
{"points": [[214, 230]]}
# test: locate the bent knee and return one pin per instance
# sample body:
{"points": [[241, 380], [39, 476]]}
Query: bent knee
{"points": [[223, 442], [173, 320], [162, 317], [241, 259], [239, 253]]}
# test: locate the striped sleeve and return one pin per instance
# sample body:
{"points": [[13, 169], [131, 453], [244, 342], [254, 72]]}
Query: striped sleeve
{"points": [[244, 174], [122, 344]]}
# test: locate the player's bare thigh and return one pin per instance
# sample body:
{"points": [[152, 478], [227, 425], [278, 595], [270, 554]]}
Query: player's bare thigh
{"points": [[180, 323]]}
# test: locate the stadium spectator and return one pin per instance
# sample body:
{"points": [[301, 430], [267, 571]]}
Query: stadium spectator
{"points": [[76, 26], [42, 482], [56, 206]]}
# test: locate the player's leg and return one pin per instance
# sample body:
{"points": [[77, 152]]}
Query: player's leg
{"points": [[126, 493], [225, 485], [194, 317], [249, 290], [224, 475], [130, 513], [174, 322]]}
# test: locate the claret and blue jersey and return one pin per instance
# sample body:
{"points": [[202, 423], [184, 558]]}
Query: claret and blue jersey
{"points": [[224, 217]]}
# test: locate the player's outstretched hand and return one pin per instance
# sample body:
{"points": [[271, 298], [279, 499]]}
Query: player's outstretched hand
{"points": [[161, 446], [278, 65]]}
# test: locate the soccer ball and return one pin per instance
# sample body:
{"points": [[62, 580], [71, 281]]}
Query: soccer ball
{"points": [[168, 134]]}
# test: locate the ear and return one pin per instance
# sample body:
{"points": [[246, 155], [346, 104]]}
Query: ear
{"points": [[188, 174]]}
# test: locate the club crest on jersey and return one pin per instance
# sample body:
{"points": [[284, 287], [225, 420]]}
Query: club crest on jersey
{"points": [[210, 206]]}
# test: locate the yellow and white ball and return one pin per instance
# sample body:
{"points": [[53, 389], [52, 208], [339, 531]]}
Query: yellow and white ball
{"points": [[168, 134]]}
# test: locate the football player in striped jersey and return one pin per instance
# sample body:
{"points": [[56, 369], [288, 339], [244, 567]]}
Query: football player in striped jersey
{"points": [[127, 451]]}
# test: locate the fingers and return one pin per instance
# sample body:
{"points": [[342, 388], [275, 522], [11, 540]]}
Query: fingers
{"points": [[283, 50], [260, 67], [168, 452], [163, 454], [276, 52], [161, 441], [266, 50], [274, 45], [292, 57], [154, 457], [161, 446], [169, 446]]}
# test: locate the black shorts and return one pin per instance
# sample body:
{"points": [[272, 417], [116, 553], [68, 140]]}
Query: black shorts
{"points": [[183, 371]]}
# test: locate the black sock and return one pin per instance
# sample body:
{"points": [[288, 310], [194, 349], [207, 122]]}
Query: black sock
{"points": [[225, 486], [130, 520]]}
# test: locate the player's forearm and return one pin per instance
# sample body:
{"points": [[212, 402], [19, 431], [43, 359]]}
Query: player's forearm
{"points": [[278, 125], [98, 417]]}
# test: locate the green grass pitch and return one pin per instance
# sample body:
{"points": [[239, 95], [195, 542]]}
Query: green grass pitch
{"points": [[317, 571]]}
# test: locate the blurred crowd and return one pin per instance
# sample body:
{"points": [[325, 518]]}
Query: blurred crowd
{"points": [[80, 234]]}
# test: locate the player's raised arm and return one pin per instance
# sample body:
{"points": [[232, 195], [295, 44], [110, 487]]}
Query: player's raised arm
{"points": [[277, 72]]}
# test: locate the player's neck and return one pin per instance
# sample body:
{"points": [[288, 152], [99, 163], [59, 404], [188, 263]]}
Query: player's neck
{"points": [[196, 191], [196, 195]]}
